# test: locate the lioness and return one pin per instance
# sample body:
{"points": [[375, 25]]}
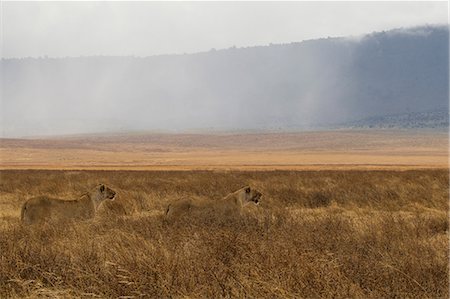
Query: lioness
{"points": [[232, 203], [42, 208]]}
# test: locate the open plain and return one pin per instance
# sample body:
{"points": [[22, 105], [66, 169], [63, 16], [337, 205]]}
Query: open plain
{"points": [[362, 215], [295, 151]]}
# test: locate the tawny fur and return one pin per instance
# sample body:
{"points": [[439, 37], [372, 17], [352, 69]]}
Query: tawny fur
{"points": [[230, 204], [43, 208]]}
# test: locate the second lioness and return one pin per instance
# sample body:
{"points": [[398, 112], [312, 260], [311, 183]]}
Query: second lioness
{"points": [[230, 204]]}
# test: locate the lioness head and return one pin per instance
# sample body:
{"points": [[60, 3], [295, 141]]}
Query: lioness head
{"points": [[105, 193], [249, 195]]}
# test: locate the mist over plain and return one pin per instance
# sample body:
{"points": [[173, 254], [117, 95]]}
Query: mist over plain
{"points": [[281, 87]]}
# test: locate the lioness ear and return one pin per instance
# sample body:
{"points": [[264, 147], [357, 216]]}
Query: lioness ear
{"points": [[102, 188], [247, 190]]}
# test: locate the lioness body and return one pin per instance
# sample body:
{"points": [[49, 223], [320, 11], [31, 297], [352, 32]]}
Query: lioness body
{"points": [[43, 208], [231, 204]]}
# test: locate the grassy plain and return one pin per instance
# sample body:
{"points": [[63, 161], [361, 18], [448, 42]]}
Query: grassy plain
{"points": [[344, 214], [328, 233], [307, 150]]}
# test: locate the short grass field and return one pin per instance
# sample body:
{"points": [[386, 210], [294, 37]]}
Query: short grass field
{"points": [[318, 150], [329, 233]]}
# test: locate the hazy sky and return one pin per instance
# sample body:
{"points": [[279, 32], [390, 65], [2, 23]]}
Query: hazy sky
{"points": [[149, 28]]}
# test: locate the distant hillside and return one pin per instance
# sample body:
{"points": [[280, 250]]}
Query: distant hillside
{"points": [[418, 120], [290, 86]]}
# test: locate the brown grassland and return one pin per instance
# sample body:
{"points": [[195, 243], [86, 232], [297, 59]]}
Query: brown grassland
{"points": [[328, 233], [262, 151]]}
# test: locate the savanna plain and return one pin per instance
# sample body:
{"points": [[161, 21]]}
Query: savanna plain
{"points": [[328, 232], [378, 233]]}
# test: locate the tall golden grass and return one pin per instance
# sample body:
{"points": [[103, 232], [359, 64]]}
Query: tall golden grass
{"points": [[367, 234]]}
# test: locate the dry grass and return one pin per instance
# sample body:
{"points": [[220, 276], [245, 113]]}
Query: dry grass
{"points": [[316, 234]]}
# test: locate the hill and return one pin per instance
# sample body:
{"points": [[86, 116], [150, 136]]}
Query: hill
{"points": [[418, 120], [284, 87]]}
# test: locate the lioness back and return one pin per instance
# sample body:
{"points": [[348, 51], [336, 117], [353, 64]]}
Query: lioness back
{"points": [[189, 207], [230, 205], [43, 208]]}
